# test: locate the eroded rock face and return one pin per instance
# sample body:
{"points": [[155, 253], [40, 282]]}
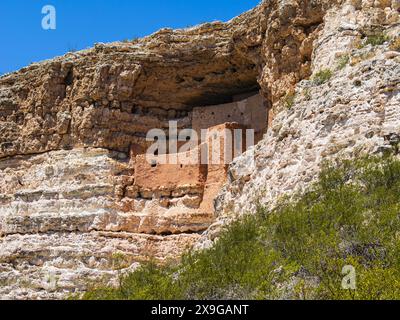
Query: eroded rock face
{"points": [[72, 208], [60, 218], [354, 113], [112, 95]]}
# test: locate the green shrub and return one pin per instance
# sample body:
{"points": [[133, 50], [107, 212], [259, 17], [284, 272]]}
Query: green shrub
{"points": [[307, 94], [289, 100], [349, 217], [375, 40], [149, 282], [343, 61], [322, 77], [133, 40]]}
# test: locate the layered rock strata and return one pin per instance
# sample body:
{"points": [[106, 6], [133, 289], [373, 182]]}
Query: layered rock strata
{"points": [[76, 205]]}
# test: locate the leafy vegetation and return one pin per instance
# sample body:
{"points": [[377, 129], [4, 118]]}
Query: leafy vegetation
{"points": [[307, 94], [377, 40], [322, 77], [133, 40], [289, 100], [374, 40], [343, 61], [350, 217]]}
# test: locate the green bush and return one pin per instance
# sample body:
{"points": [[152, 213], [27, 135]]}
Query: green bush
{"points": [[298, 250], [376, 39], [322, 77], [290, 100], [147, 283], [133, 40], [343, 61]]}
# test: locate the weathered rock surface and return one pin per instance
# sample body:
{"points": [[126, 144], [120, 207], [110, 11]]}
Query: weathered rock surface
{"points": [[59, 218], [354, 113], [71, 211]]}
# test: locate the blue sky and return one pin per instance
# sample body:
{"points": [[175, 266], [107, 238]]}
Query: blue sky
{"points": [[81, 23]]}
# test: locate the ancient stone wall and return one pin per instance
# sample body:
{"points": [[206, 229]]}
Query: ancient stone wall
{"points": [[155, 176], [250, 112], [165, 174]]}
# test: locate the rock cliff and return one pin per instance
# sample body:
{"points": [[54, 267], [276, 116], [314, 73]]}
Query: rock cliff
{"points": [[72, 128]]}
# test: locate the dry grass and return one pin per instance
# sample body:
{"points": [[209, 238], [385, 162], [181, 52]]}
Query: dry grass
{"points": [[395, 45]]}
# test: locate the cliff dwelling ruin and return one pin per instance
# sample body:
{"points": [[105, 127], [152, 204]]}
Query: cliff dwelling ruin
{"points": [[189, 184], [75, 179], [76, 189]]}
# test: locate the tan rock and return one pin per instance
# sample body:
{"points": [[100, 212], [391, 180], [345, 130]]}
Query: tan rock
{"points": [[74, 188]]}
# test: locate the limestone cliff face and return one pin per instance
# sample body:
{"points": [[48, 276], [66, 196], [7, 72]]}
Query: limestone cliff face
{"points": [[72, 128], [356, 111]]}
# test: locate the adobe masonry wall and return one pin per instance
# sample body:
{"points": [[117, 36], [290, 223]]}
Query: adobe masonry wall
{"points": [[153, 176], [217, 172], [250, 112], [155, 179]]}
